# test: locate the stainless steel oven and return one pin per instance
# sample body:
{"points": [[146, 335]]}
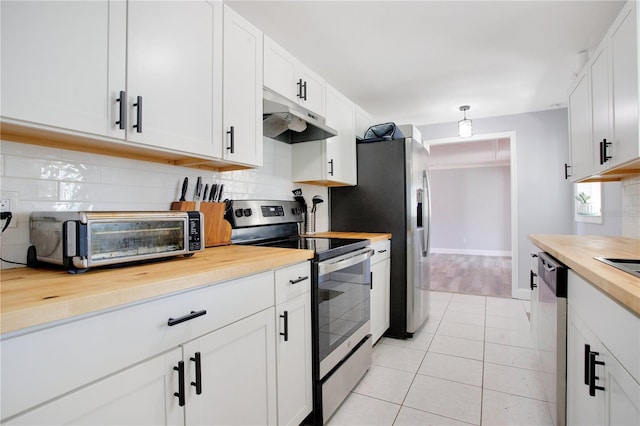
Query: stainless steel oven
{"points": [[341, 283], [342, 327]]}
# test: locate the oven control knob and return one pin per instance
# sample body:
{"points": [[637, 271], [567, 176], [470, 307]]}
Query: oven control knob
{"points": [[247, 212], [239, 213]]}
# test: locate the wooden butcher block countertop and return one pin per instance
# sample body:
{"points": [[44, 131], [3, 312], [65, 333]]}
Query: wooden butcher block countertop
{"points": [[373, 237], [578, 252], [33, 297]]}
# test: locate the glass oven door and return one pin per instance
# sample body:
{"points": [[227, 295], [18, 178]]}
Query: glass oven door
{"points": [[343, 291]]}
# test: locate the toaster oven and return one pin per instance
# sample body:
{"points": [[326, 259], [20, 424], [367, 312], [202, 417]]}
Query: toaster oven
{"points": [[85, 239]]}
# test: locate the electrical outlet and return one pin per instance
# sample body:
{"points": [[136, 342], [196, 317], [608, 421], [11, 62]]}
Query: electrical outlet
{"points": [[9, 203]]}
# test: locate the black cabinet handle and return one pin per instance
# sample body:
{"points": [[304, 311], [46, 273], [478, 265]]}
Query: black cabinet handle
{"points": [[138, 104], [285, 316], [299, 84], [304, 88], [198, 383], [194, 314], [566, 171], [382, 251], [587, 351], [298, 280], [180, 393], [371, 280], [122, 110], [532, 275], [231, 132], [592, 373], [603, 151], [331, 169]]}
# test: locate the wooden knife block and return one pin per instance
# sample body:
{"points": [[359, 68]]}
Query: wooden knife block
{"points": [[217, 230]]}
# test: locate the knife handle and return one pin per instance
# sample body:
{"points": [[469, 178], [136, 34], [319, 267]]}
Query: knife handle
{"points": [[183, 193]]}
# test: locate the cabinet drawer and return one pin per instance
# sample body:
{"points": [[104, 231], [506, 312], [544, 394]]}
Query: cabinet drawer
{"points": [[615, 326], [290, 281], [48, 362], [382, 250]]}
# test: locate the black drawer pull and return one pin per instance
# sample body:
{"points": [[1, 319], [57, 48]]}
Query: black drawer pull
{"points": [[122, 110], [592, 373], [180, 393], [232, 145], [331, 169], [532, 275], [587, 351], [173, 321], [285, 316], [382, 251], [138, 104], [198, 383], [298, 280]]}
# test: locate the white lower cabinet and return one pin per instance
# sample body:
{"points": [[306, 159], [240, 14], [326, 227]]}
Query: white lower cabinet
{"points": [[237, 374], [209, 356], [380, 288], [603, 341], [293, 344], [141, 395]]}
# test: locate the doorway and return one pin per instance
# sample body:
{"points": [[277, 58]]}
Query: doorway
{"points": [[474, 229]]}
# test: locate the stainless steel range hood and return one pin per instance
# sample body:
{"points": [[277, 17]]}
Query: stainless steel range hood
{"points": [[288, 122]]}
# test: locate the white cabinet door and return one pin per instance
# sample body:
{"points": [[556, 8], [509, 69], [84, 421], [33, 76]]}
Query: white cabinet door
{"points": [[63, 63], [341, 149], [621, 394], [624, 75], [295, 385], [173, 83], [242, 90], [280, 70], [582, 160], [313, 90], [582, 409], [140, 395], [601, 108], [380, 288], [285, 75], [238, 374]]}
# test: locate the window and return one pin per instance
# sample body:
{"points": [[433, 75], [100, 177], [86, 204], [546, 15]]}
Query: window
{"points": [[588, 202]]}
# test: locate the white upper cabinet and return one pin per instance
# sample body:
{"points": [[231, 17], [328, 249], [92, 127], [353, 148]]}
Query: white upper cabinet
{"points": [[341, 149], [63, 63], [285, 75], [580, 127], [242, 130], [607, 91], [329, 162], [173, 87]]}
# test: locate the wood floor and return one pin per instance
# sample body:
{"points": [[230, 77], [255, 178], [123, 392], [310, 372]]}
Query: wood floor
{"points": [[468, 274]]}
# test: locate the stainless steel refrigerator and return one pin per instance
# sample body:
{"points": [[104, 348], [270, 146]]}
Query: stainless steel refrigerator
{"points": [[392, 195]]}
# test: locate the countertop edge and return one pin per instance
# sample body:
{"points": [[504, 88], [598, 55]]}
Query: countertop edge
{"points": [[14, 319], [615, 284]]}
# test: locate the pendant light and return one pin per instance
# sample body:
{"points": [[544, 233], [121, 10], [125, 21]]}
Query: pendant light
{"points": [[464, 125]]}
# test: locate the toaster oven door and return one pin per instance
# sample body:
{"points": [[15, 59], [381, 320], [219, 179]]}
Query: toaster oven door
{"points": [[130, 240]]}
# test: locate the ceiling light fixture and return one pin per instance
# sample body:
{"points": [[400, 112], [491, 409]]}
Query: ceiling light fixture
{"points": [[464, 125]]}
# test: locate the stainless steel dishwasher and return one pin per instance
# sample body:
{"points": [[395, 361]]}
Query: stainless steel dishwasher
{"points": [[551, 339]]}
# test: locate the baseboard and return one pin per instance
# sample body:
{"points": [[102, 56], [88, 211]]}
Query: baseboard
{"points": [[501, 253]]}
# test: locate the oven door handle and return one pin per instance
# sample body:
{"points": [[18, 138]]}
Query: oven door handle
{"points": [[343, 262]]}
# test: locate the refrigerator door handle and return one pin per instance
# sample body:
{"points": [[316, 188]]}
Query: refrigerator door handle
{"points": [[426, 230]]}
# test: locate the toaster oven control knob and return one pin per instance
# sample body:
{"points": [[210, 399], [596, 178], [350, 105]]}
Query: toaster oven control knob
{"points": [[239, 213], [247, 212]]}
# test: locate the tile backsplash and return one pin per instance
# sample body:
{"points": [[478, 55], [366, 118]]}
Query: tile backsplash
{"points": [[631, 207], [50, 179]]}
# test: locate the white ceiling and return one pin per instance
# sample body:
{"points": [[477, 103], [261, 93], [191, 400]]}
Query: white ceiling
{"points": [[418, 61]]}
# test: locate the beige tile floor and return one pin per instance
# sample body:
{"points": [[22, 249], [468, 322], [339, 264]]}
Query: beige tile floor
{"points": [[471, 363]]}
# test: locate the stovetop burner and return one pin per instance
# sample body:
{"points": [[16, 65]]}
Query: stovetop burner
{"points": [[273, 223], [324, 248]]}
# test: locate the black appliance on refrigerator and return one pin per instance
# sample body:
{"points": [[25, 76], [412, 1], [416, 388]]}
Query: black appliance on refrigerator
{"points": [[392, 195]]}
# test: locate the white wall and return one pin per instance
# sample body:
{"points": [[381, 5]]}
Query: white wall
{"points": [[48, 179], [631, 206], [612, 213], [471, 210], [545, 198]]}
